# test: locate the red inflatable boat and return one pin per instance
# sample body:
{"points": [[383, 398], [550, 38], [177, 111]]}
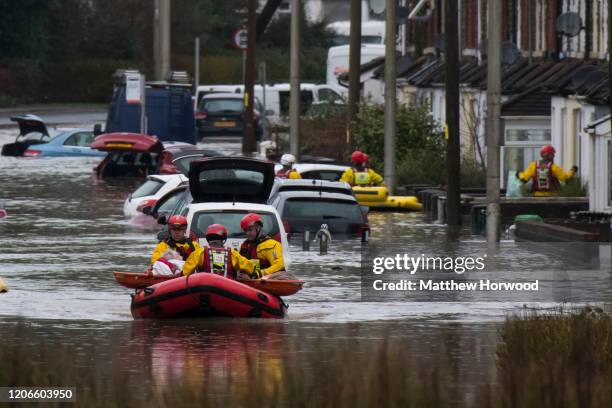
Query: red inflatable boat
{"points": [[203, 295]]}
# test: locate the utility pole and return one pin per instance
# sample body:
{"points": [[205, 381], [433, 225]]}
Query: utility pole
{"points": [[196, 68], [248, 140], [390, 98], [294, 74], [493, 124], [610, 57], [453, 150], [161, 39], [354, 64]]}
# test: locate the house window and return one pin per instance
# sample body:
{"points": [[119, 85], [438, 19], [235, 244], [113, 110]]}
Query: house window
{"points": [[522, 146]]}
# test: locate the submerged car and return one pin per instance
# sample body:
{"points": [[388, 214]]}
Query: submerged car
{"points": [[154, 188], [69, 142], [319, 186], [223, 114], [32, 131], [319, 171], [175, 161], [132, 154], [309, 210], [222, 190]]}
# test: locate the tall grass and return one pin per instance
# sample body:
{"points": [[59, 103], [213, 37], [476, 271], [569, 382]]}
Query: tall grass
{"points": [[540, 360], [561, 359]]}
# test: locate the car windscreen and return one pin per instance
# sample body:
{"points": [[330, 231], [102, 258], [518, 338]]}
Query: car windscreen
{"points": [[328, 175], [322, 208], [182, 163], [222, 105], [231, 220], [226, 181], [148, 188], [170, 201]]}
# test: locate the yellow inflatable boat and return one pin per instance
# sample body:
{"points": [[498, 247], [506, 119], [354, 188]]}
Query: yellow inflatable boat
{"points": [[378, 198]]}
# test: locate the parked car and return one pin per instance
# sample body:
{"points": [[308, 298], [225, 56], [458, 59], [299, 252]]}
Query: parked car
{"points": [[282, 185], [225, 189], [155, 187], [32, 131], [319, 171], [309, 210], [176, 161], [223, 114], [166, 205], [274, 98], [69, 142], [132, 154]]}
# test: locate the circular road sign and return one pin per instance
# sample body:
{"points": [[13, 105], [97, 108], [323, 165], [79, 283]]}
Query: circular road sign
{"points": [[239, 39]]}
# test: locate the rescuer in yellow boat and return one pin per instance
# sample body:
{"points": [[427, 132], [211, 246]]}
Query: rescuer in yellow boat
{"points": [[545, 174], [263, 250], [359, 174], [216, 257], [178, 241]]}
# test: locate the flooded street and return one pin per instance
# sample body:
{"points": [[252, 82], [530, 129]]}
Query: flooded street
{"points": [[66, 233]]}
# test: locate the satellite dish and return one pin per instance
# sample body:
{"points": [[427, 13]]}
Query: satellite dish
{"points": [[569, 24], [595, 77], [439, 42], [510, 53], [483, 47], [581, 75], [378, 6]]}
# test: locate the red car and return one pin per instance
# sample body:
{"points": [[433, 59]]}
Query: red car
{"points": [[136, 155]]}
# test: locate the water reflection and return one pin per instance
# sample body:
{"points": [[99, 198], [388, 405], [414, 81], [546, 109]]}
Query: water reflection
{"points": [[220, 356]]}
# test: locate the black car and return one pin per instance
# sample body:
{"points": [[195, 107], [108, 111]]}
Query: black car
{"points": [[223, 114], [309, 210], [32, 130]]}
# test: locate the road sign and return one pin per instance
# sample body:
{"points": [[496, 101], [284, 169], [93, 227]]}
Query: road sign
{"points": [[134, 88], [239, 39]]}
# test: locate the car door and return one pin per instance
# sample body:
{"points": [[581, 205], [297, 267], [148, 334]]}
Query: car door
{"points": [[78, 144]]}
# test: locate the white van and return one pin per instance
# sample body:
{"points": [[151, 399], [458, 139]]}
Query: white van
{"points": [[276, 99], [338, 61], [372, 32]]}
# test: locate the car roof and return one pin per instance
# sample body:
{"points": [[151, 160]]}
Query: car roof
{"points": [[315, 194], [319, 166], [314, 185], [223, 95], [195, 152], [164, 178], [232, 206]]}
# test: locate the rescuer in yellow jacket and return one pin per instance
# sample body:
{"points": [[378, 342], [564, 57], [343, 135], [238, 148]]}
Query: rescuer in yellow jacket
{"points": [[177, 225], [359, 174], [265, 251], [545, 175], [216, 258]]}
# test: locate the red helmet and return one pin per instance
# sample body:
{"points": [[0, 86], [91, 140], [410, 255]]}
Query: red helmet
{"points": [[366, 158], [216, 232], [177, 221], [249, 219], [548, 149], [357, 157]]}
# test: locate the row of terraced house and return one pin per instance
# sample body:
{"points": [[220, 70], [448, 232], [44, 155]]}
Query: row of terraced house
{"points": [[555, 83]]}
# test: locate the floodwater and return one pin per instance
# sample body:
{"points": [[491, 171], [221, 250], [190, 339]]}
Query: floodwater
{"points": [[65, 234]]}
